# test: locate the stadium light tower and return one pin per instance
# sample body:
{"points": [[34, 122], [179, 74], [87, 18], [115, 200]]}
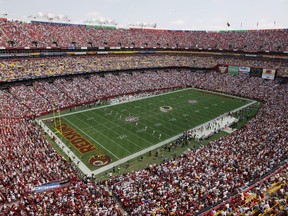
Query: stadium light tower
{"points": [[101, 21], [62, 17], [52, 17], [4, 14], [143, 25]]}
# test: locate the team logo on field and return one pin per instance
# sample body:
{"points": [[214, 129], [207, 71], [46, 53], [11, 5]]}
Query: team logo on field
{"points": [[192, 101], [99, 160], [131, 119], [165, 108]]}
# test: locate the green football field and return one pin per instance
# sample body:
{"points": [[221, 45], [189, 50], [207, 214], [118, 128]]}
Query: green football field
{"points": [[117, 131]]}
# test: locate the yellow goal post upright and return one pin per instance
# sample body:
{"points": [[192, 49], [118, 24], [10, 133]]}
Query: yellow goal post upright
{"points": [[57, 120]]}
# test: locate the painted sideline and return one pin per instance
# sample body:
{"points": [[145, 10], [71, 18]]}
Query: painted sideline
{"points": [[88, 172]]}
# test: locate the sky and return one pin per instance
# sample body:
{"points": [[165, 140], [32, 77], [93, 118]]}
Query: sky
{"points": [[167, 14]]}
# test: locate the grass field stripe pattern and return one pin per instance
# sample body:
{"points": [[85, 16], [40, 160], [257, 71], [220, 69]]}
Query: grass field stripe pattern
{"points": [[137, 154], [153, 116], [127, 128], [124, 128], [91, 138], [86, 171], [117, 104], [108, 137]]}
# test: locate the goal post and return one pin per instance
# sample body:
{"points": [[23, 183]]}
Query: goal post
{"points": [[57, 120]]}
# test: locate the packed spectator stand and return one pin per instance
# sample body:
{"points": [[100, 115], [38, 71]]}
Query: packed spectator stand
{"points": [[17, 69], [185, 184], [267, 197], [188, 182], [242, 174], [45, 34]]}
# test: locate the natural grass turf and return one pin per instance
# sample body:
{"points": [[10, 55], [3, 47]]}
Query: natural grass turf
{"points": [[107, 129]]}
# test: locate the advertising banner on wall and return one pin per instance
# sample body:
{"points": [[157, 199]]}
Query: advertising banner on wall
{"points": [[256, 72], [233, 69], [268, 74], [245, 70], [51, 186]]}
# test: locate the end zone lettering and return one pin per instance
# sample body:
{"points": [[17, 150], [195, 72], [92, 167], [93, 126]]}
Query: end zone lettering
{"points": [[80, 143]]}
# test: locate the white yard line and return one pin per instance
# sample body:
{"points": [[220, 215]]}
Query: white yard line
{"points": [[87, 171], [111, 129], [92, 138], [65, 149], [103, 135], [127, 131], [87, 110], [151, 96], [146, 150]]}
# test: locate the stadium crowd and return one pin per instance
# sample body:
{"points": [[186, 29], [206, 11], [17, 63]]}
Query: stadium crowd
{"points": [[45, 67], [27, 161], [11, 107], [268, 197], [194, 181], [43, 97], [203, 177], [40, 34]]}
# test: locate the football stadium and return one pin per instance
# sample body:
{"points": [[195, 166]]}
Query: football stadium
{"points": [[97, 119]]}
